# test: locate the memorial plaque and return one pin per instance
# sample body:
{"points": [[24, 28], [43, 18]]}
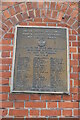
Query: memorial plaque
{"points": [[40, 60]]}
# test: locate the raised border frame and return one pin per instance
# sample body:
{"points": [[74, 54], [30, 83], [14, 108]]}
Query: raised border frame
{"points": [[68, 63]]}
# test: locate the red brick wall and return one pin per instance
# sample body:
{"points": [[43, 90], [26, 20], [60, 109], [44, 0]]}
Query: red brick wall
{"points": [[64, 14]]}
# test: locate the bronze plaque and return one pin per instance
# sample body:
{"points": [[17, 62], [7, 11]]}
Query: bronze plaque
{"points": [[40, 61]]}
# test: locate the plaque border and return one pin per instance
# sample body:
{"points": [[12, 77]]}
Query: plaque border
{"points": [[13, 62]]}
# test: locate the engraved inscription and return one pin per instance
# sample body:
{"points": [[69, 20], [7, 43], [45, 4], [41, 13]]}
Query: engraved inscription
{"points": [[40, 60]]}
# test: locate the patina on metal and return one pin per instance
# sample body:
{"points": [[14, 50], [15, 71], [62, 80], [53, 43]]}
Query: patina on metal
{"points": [[41, 60]]}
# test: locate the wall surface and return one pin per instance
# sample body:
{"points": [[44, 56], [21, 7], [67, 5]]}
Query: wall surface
{"points": [[64, 14]]}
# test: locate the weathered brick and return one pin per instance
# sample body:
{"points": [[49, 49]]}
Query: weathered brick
{"points": [[67, 113], [73, 5], [6, 48], [3, 112], [12, 11], [50, 112], [58, 6], [19, 16], [74, 90], [64, 7], [6, 14], [14, 20], [51, 97], [52, 104], [60, 15], [51, 24], [69, 11], [9, 35], [74, 14], [37, 11], [66, 98], [35, 104], [3, 17], [35, 5], [17, 9], [76, 104], [31, 14], [70, 31], [43, 13], [6, 61], [29, 5], [74, 76], [65, 18], [71, 21], [37, 24], [75, 25], [5, 54], [53, 5], [6, 104], [4, 89], [4, 82], [11, 29], [75, 69], [74, 32], [51, 21], [9, 23], [5, 42], [76, 83], [19, 105], [75, 56], [69, 43], [69, 56], [46, 4], [4, 27], [18, 97], [5, 74], [4, 67], [34, 97], [18, 112], [40, 4], [73, 50], [23, 23], [76, 112], [75, 96], [3, 97], [7, 4], [73, 62], [25, 16], [11, 53], [49, 13], [75, 43], [65, 104], [63, 25], [38, 19], [54, 14], [34, 112], [23, 7], [4, 6]]}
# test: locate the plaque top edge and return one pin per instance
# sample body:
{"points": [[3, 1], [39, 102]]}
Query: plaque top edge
{"points": [[41, 26]]}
